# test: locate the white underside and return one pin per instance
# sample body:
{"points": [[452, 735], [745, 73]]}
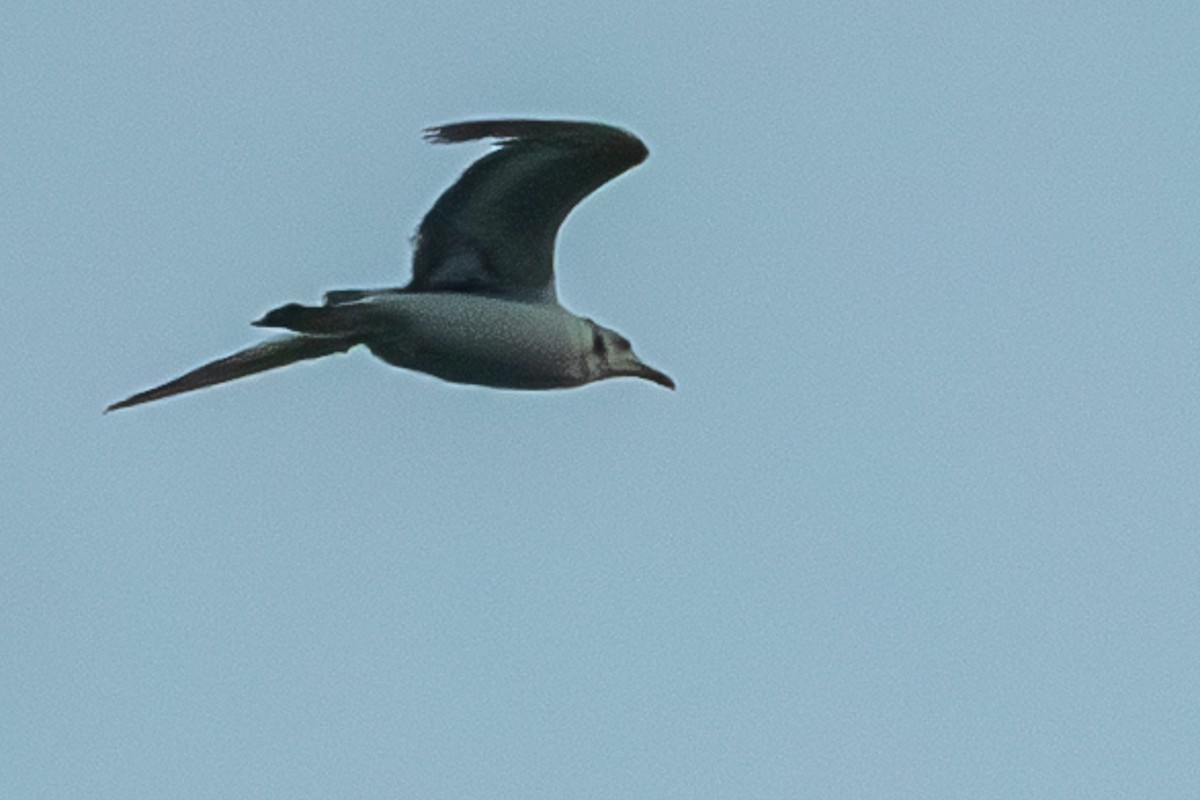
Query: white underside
{"points": [[481, 340]]}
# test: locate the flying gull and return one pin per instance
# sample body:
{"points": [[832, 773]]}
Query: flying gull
{"points": [[481, 306]]}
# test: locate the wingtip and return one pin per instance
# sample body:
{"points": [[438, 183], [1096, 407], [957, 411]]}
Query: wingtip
{"points": [[133, 400], [455, 132], [633, 148], [434, 135]]}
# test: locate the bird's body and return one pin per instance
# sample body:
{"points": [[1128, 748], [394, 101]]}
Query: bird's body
{"points": [[465, 338], [481, 307]]}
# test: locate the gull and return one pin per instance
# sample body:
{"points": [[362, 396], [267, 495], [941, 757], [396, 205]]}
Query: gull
{"points": [[481, 307]]}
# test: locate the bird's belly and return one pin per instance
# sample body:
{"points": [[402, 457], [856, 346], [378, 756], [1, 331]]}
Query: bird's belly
{"points": [[485, 341]]}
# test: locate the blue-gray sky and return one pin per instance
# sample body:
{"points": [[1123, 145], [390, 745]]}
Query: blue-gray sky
{"points": [[921, 521]]}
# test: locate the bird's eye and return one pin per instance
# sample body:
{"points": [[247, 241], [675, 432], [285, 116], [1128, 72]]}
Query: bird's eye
{"points": [[597, 343]]}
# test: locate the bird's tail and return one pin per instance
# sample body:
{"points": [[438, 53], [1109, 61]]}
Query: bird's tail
{"points": [[345, 317], [270, 354]]}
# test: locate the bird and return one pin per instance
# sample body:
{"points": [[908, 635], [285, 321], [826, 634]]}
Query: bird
{"points": [[481, 306]]}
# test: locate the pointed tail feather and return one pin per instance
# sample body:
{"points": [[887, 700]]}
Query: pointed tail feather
{"points": [[270, 354], [337, 320]]}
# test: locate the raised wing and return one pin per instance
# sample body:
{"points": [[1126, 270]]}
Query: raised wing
{"points": [[493, 231]]}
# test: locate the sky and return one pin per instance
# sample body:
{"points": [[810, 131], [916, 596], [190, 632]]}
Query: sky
{"points": [[921, 520]]}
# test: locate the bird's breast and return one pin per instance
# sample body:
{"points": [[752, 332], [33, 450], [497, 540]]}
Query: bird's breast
{"points": [[481, 340]]}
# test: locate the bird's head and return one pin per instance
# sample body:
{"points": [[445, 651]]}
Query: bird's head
{"points": [[612, 356]]}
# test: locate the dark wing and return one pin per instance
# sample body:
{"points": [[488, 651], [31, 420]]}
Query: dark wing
{"points": [[493, 231], [273, 353]]}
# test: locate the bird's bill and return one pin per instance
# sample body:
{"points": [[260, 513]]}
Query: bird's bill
{"points": [[651, 374]]}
